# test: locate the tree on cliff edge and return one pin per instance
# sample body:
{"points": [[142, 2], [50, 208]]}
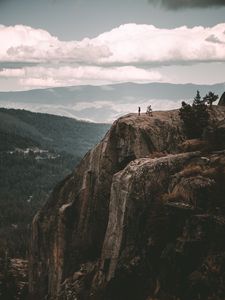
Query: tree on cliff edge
{"points": [[197, 99], [195, 117], [210, 98]]}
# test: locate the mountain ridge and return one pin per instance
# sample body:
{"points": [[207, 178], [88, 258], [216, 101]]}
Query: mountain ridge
{"points": [[42, 127], [105, 103]]}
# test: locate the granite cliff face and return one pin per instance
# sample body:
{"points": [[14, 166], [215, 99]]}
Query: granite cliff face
{"points": [[137, 219], [222, 100]]}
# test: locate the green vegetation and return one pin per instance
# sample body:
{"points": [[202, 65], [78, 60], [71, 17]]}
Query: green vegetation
{"points": [[24, 186], [36, 152], [195, 117], [50, 131], [210, 98]]}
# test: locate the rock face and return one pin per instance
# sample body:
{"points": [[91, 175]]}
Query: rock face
{"points": [[137, 219], [13, 279], [222, 100]]}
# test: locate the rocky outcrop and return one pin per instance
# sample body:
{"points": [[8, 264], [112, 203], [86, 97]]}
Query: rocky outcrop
{"points": [[133, 190], [13, 279], [222, 100], [124, 219]]}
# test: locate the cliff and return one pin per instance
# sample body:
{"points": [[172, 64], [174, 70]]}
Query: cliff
{"points": [[137, 219], [222, 100]]}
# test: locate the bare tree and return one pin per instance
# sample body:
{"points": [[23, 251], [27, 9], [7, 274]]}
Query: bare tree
{"points": [[149, 110]]}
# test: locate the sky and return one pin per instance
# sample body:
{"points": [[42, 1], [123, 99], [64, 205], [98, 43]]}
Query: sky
{"points": [[52, 43]]}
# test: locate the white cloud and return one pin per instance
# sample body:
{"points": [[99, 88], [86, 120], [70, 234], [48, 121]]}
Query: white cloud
{"points": [[120, 55], [12, 72], [133, 43], [25, 44], [127, 44], [67, 76]]}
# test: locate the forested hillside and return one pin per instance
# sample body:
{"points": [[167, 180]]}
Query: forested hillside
{"points": [[36, 151], [54, 132]]}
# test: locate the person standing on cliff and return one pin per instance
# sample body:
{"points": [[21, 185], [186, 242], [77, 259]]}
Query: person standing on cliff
{"points": [[139, 110]]}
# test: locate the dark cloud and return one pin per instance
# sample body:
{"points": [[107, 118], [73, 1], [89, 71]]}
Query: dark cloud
{"points": [[16, 65], [214, 39], [181, 4]]}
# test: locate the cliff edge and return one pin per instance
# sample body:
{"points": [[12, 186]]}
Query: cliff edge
{"points": [[222, 100], [141, 217]]}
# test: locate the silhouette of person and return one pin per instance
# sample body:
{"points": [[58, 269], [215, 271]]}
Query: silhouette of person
{"points": [[139, 110]]}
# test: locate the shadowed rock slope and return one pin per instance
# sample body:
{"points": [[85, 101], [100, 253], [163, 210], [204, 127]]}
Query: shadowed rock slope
{"points": [[222, 100], [137, 219]]}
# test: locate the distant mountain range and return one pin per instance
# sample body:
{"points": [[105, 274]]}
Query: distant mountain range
{"points": [[105, 103]]}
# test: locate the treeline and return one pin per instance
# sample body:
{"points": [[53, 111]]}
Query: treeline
{"points": [[196, 116]]}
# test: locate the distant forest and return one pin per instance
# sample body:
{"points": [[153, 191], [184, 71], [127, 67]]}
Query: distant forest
{"points": [[36, 151]]}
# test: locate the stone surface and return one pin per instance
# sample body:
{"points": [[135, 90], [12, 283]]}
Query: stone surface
{"points": [[13, 279], [222, 100], [135, 212]]}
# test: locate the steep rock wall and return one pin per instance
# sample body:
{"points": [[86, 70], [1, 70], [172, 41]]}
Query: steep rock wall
{"points": [[70, 231], [133, 191], [164, 238], [222, 100]]}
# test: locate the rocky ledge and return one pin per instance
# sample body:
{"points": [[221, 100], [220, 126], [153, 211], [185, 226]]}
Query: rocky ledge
{"points": [[139, 218]]}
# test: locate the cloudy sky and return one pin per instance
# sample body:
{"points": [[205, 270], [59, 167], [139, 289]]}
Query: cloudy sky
{"points": [[50, 43]]}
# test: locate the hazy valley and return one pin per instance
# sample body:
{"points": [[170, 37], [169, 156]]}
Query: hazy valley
{"points": [[107, 102]]}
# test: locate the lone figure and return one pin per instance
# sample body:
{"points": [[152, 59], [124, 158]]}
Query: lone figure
{"points": [[139, 110]]}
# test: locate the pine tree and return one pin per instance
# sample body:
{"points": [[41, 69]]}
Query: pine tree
{"points": [[210, 98], [195, 117], [197, 99]]}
